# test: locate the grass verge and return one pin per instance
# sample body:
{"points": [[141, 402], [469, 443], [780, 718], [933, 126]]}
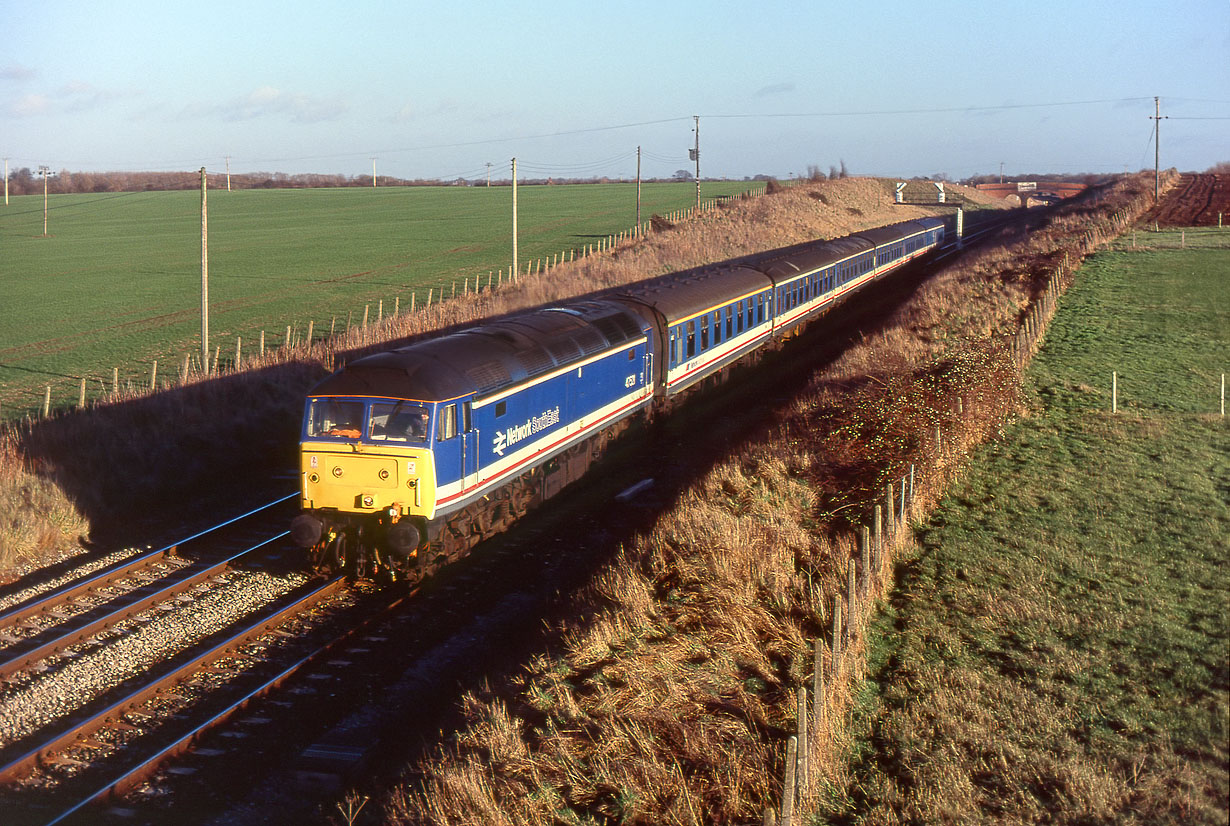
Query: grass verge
{"points": [[670, 688], [1057, 650]]}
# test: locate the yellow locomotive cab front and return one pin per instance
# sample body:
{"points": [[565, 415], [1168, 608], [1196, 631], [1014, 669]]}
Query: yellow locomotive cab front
{"points": [[362, 479]]}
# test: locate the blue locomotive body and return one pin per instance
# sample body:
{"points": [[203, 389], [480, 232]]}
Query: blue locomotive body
{"points": [[410, 456]]}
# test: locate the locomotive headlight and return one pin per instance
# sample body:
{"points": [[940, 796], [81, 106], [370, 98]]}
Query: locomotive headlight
{"points": [[393, 511]]}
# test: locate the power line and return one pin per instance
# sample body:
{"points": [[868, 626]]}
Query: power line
{"points": [[926, 111]]}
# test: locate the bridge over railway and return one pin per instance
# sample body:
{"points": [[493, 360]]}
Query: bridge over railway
{"points": [[1036, 190]]}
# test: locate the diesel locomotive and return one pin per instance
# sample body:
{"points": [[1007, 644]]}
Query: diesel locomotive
{"points": [[411, 456]]}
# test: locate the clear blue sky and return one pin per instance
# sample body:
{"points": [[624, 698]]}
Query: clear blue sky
{"points": [[440, 89]]}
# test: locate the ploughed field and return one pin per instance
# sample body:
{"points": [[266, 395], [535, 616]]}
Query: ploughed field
{"points": [[1196, 201]]}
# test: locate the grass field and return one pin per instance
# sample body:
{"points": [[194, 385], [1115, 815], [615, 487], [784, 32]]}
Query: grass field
{"points": [[117, 282], [1057, 652]]}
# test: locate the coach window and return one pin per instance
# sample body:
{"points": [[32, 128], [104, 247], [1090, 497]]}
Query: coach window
{"points": [[467, 417], [704, 332], [448, 423], [730, 322], [678, 344], [691, 338]]}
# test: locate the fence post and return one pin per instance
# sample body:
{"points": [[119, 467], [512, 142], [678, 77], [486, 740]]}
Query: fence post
{"points": [[153, 375], [835, 646], [865, 557], [852, 590], [239, 349], [817, 688], [792, 750], [889, 527], [47, 403], [804, 740], [81, 398], [115, 377], [1114, 391]]}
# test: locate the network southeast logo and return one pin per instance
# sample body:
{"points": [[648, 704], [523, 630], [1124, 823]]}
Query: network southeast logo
{"points": [[505, 439]]}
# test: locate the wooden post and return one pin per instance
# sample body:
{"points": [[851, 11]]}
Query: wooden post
{"points": [[204, 272], [396, 305], [311, 331], [239, 350], [380, 311], [81, 398], [889, 527], [115, 377], [852, 595], [153, 375], [835, 646], [770, 817], [804, 740], [879, 537], [366, 309], [792, 750], [1114, 392], [429, 291], [865, 557], [1223, 393], [47, 403], [262, 343], [286, 340], [817, 688]]}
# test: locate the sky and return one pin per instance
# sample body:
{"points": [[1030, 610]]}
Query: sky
{"points": [[571, 89]]}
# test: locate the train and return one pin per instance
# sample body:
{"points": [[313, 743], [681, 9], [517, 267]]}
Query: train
{"points": [[411, 456]]}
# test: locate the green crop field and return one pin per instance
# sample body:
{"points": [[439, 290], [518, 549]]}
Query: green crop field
{"points": [[117, 281], [1057, 651]]}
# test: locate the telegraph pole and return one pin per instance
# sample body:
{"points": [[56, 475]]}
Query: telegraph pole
{"points": [[204, 277], [6, 181], [373, 173], [44, 171], [696, 157], [489, 174], [514, 193], [638, 190], [1157, 144], [228, 173]]}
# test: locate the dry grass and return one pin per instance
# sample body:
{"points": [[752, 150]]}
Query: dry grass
{"points": [[673, 690]]}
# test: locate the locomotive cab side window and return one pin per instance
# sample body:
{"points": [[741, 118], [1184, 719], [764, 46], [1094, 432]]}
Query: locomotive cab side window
{"points": [[447, 426]]}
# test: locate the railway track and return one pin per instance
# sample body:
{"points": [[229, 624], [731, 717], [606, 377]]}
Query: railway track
{"points": [[105, 669]]}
